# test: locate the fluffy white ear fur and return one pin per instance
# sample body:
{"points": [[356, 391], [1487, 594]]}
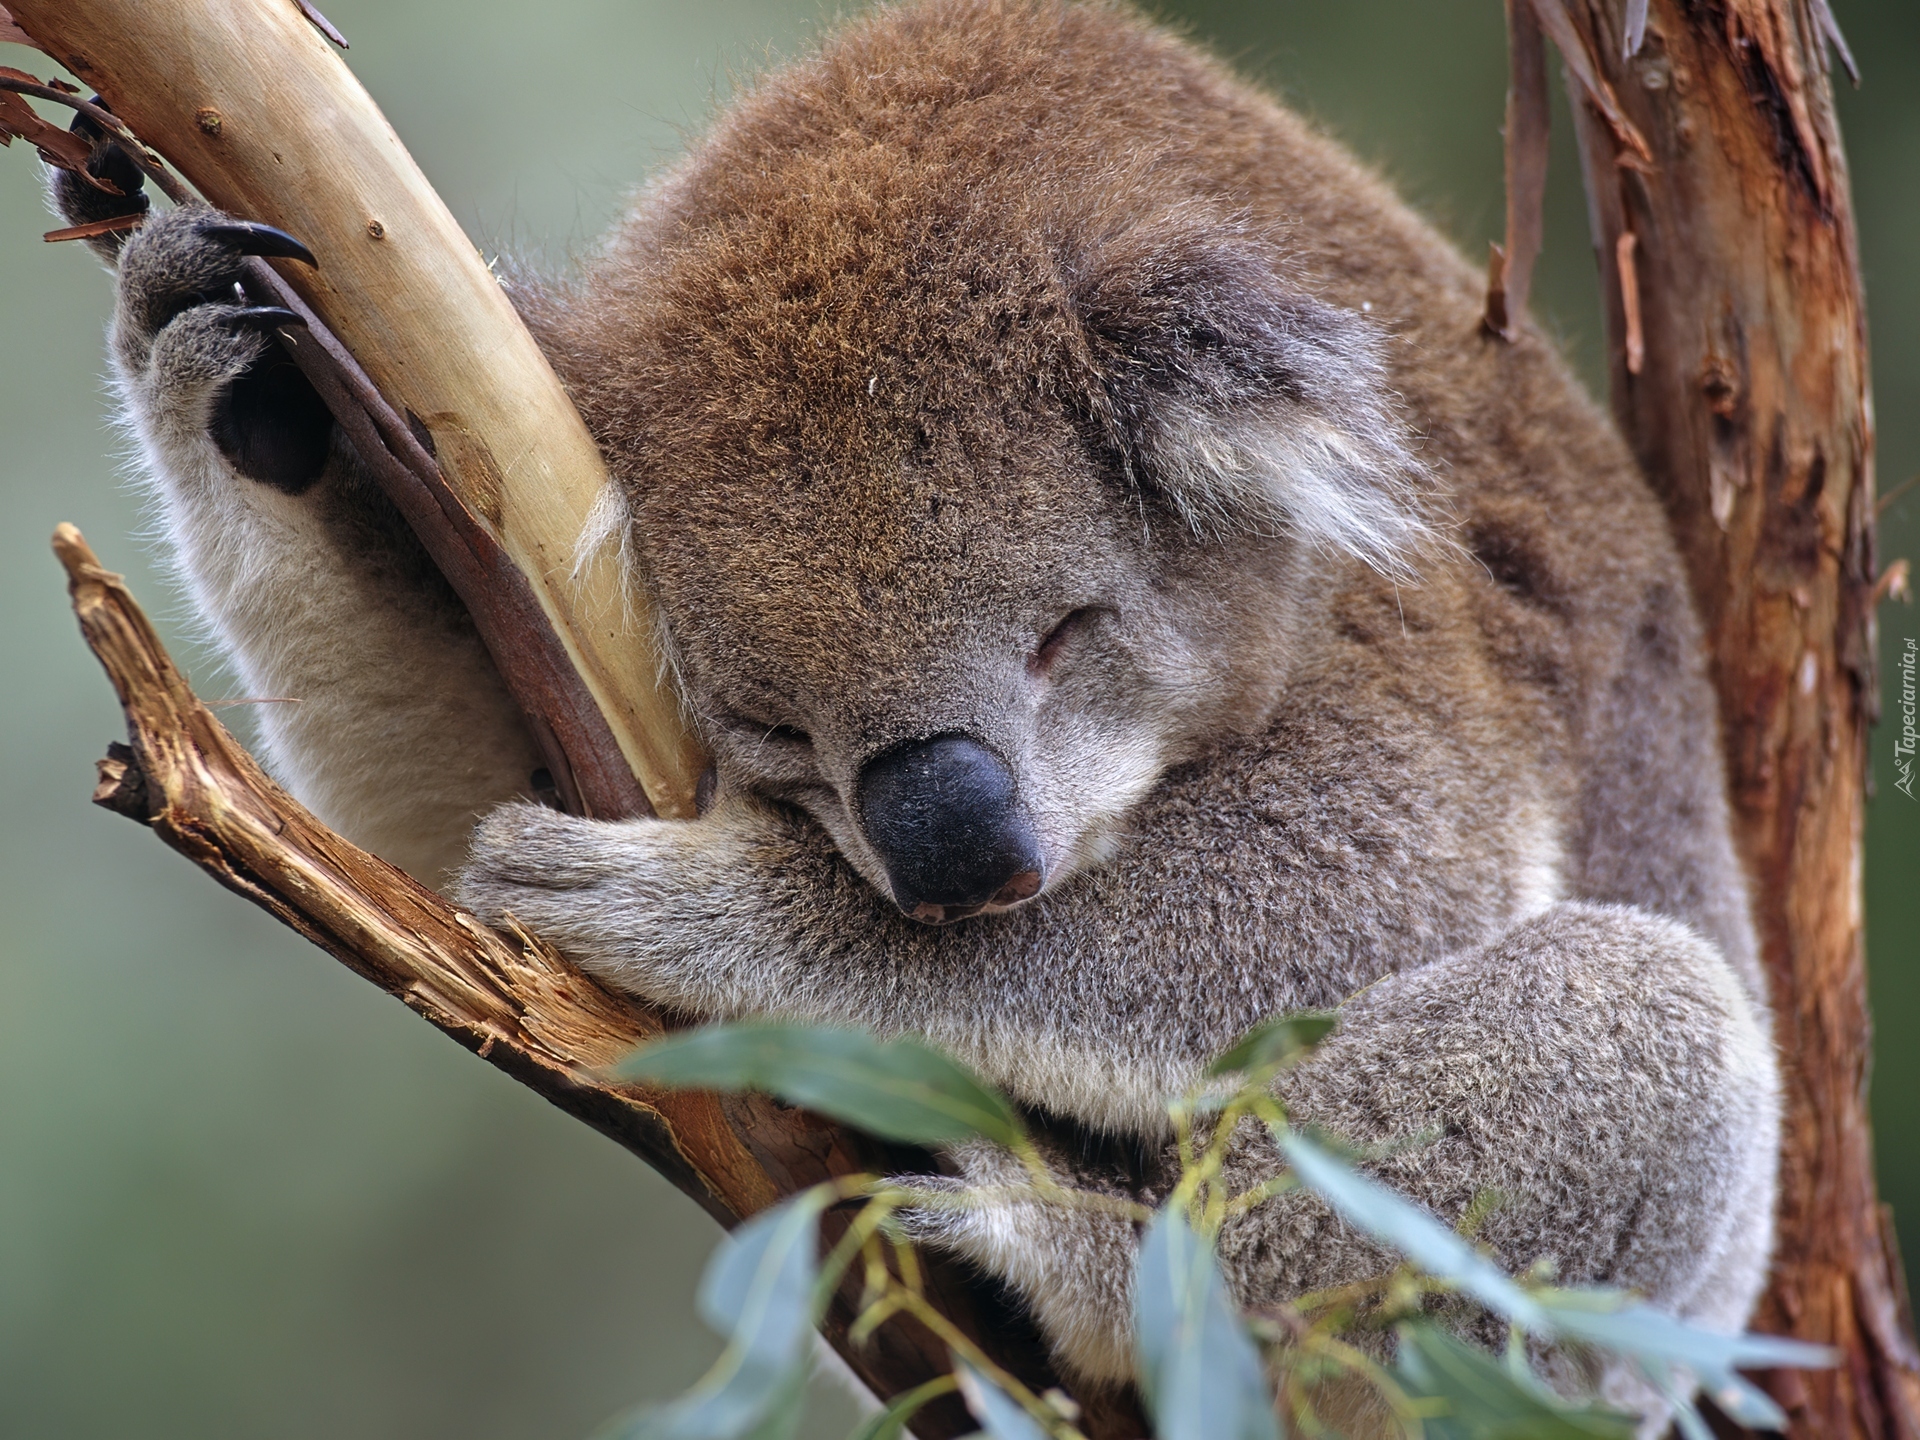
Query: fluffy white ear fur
{"points": [[1246, 405], [1346, 482]]}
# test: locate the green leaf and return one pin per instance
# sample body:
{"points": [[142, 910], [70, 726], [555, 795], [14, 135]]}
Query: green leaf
{"points": [[896, 1089], [891, 1423], [758, 1289], [781, 1420], [759, 1292], [1657, 1342], [998, 1411], [1198, 1367], [1487, 1400], [1276, 1042], [1393, 1220]]}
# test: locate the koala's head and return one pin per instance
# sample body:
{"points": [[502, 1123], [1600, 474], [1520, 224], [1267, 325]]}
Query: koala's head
{"points": [[966, 524]]}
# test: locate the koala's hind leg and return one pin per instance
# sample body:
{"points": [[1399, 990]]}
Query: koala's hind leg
{"points": [[382, 710], [1598, 1072]]}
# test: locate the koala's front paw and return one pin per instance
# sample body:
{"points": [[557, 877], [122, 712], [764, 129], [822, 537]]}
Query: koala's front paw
{"points": [[522, 856], [198, 359], [1072, 1266], [647, 905], [80, 203]]}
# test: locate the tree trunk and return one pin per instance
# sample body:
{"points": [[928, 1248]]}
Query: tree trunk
{"points": [[1724, 231]]}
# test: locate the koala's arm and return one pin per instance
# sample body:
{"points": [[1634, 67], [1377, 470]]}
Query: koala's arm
{"points": [[377, 704], [1601, 1070], [1070, 1001]]}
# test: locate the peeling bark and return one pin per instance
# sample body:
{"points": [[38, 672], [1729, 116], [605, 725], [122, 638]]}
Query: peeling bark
{"points": [[1725, 235]]}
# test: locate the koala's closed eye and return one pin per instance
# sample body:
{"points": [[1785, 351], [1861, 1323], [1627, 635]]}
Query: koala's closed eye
{"points": [[1060, 638], [762, 731]]}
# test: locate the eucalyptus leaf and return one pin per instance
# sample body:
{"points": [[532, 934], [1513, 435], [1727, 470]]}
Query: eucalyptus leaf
{"points": [[781, 1420], [998, 1412], [1198, 1367], [759, 1292], [1429, 1245], [891, 1423], [897, 1089], [1658, 1341], [1487, 1400], [758, 1288], [1276, 1042]]}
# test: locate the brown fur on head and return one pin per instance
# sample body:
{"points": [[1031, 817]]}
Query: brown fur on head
{"points": [[926, 433]]}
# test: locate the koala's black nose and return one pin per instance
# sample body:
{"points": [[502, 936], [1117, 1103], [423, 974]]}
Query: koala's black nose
{"points": [[942, 817]]}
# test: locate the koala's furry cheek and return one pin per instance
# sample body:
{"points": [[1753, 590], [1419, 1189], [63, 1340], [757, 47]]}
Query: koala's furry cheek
{"points": [[1080, 794]]}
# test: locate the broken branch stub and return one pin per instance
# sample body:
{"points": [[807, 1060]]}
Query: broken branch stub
{"points": [[249, 102]]}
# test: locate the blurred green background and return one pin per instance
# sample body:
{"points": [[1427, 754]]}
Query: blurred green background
{"points": [[242, 1194]]}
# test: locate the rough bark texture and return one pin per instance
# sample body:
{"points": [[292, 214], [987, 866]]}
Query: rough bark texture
{"points": [[1749, 410]]}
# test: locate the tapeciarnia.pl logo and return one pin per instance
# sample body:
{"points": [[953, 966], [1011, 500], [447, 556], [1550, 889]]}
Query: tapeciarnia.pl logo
{"points": [[1903, 743]]}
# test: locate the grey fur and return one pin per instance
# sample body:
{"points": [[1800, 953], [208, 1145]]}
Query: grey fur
{"points": [[1382, 688]]}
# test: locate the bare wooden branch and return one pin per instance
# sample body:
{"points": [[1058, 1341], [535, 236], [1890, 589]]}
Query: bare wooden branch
{"points": [[509, 998], [10, 33], [1739, 358]]}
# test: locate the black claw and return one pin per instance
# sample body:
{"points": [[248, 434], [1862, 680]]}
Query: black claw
{"points": [[250, 238], [267, 317]]}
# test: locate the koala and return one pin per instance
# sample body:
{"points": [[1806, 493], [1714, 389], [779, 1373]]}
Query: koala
{"points": [[1126, 596]]}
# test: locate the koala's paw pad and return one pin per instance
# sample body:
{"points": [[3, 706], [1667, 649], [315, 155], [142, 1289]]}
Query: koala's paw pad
{"points": [[81, 203]]}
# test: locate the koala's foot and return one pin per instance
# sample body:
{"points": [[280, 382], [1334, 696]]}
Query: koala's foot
{"points": [[79, 203], [199, 358], [386, 714], [1072, 1266]]}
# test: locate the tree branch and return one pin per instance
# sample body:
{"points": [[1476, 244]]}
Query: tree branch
{"points": [[511, 999], [462, 419]]}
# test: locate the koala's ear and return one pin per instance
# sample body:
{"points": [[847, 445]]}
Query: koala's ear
{"points": [[1248, 406]]}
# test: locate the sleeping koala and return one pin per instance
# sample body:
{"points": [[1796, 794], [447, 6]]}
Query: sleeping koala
{"points": [[1126, 596]]}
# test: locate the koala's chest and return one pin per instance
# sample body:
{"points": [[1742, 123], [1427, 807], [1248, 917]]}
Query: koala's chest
{"points": [[1351, 840]]}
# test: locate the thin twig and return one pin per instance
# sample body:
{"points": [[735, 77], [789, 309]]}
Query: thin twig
{"points": [[1881, 505]]}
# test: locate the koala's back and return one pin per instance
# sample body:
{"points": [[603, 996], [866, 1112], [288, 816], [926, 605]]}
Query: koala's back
{"points": [[1006, 130]]}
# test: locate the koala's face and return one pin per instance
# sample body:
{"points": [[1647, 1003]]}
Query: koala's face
{"points": [[963, 539], [963, 654]]}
